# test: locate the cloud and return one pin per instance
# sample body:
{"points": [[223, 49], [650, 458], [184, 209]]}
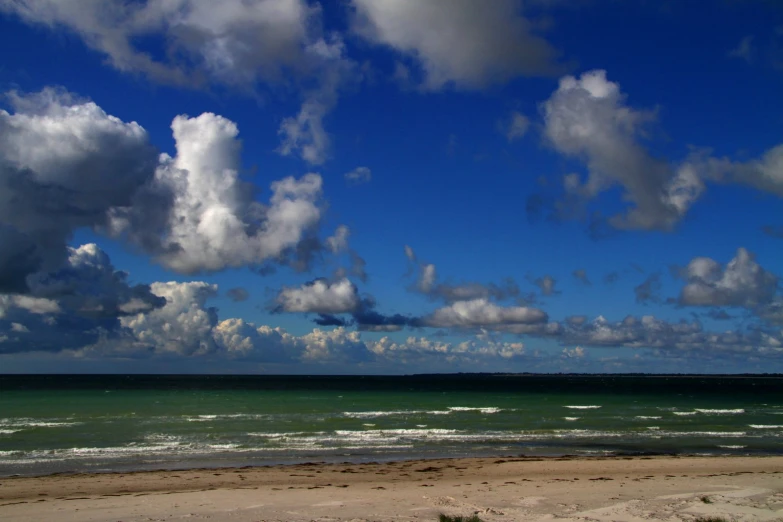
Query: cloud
{"points": [[587, 118], [581, 275], [320, 297], [516, 127], [764, 173], [76, 305], [480, 313], [413, 349], [339, 241], [183, 326], [238, 43], [215, 221], [742, 282], [648, 290], [358, 176], [773, 231], [546, 284], [681, 338], [744, 50], [464, 43], [64, 164], [304, 134], [238, 294], [427, 284]]}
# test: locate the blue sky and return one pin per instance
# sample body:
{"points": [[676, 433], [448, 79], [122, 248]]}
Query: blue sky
{"points": [[383, 186]]}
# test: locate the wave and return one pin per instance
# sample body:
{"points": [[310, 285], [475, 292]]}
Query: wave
{"points": [[572, 418], [21, 423], [448, 411], [766, 426], [685, 413], [8, 432], [589, 407], [731, 446], [720, 412], [648, 417], [486, 409]]}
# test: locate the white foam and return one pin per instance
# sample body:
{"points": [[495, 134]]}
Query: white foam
{"points": [[731, 446], [685, 413], [653, 427], [648, 417], [766, 426], [588, 407], [720, 412], [487, 409], [8, 432], [572, 418]]}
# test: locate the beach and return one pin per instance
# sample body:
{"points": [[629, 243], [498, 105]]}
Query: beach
{"points": [[564, 488]]}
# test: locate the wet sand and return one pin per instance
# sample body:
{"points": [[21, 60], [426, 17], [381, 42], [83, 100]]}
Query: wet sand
{"points": [[498, 489]]}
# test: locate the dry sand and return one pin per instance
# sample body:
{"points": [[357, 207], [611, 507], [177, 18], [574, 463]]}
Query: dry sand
{"points": [[499, 489]]}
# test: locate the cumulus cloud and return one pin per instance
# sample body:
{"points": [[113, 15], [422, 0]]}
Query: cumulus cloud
{"points": [[330, 299], [183, 326], [64, 164], [742, 282], [464, 43], [215, 222], [416, 348], [76, 305], [516, 127], [684, 338], [481, 313], [320, 297], [588, 118], [358, 176]]}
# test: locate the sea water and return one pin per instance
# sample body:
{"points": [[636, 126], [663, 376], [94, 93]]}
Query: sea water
{"points": [[51, 424]]}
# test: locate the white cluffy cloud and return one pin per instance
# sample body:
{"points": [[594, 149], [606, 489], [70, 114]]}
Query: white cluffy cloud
{"points": [[587, 118], [215, 221], [482, 313], [65, 164], [467, 43], [742, 282], [320, 297]]}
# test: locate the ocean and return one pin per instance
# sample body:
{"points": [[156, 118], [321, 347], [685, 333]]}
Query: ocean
{"points": [[99, 423]]}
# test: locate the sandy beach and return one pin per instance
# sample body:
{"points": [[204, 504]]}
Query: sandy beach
{"points": [[498, 489]]}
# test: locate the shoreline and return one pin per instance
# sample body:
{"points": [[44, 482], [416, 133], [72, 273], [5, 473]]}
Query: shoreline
{"points": [[531, 487]]}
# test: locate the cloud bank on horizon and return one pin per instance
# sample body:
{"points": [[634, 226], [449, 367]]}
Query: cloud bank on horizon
{"points": [[385, 186]]}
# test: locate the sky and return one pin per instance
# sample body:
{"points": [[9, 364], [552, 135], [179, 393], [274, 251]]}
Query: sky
{"points": [[391, 186]]}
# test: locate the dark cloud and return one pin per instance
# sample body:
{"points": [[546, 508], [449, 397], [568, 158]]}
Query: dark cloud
{"points": [[775, 231], [648, 291], [238, 294], [581, 275]]}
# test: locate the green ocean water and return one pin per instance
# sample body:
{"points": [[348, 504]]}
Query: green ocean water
{"points": [[52, 424]]}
